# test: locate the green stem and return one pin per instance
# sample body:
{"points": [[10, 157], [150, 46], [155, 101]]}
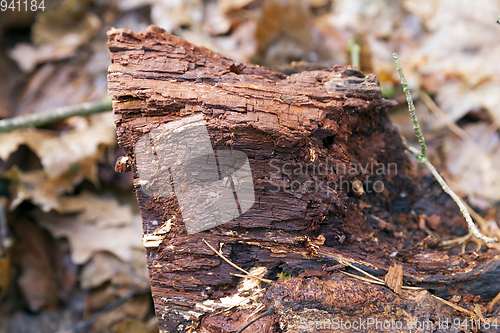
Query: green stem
{"points": [[455, 197], [423, 159], [423, 149], [354, 52]]}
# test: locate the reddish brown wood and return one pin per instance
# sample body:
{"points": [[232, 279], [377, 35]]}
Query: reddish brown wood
{"points": [[335, 115]]}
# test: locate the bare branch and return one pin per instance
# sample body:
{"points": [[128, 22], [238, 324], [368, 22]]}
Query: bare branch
{"points": [[51, 116]]}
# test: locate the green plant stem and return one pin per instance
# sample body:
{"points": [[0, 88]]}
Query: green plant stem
{"points": [[449, 191], [423, 149], [51, 116], [421, 156], [354, 52]]}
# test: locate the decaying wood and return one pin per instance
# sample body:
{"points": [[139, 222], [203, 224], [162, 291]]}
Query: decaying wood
{"points": [[394, 278], [289, 127]]}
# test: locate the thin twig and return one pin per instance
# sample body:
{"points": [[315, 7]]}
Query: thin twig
{"points": [[57, 114], [236, 266], [456, 307], [493, 302], [423, 159], [480, 220], [449, 191], [423, 149]]}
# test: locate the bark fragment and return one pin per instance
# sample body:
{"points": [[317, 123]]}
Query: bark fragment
{"points": [[313, 141]]}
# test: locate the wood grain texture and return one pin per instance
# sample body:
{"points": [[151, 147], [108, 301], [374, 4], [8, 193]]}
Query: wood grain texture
{"points": [[282, 123]]}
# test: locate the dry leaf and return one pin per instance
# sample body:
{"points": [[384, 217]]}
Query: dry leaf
{"points": [[227, 6], [170, 15], [44, 278], [58, 152], [69, 24], [34, 186], [133, 326], [96, 228], [136, 308], [28, 56], [458, 57], [472, 165], [104, 267]]}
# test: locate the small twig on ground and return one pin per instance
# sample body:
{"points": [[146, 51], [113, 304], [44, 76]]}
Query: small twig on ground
{"points": [[269, 312], [456, 307], [447, 244], [493, 302], [456, 198], [421, 156], [371, 277], [51, 116], [476, 316], [248, 274], [463, 239], [363, 279]]}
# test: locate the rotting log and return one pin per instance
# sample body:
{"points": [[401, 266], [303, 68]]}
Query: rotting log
{"points": [[332, 185]]}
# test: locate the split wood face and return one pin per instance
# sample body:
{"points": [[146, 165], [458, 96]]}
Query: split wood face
{"points": [[275, 167]]}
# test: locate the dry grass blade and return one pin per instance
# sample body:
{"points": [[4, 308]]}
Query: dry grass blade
{"points": [[456, 307], [447, 244], [377, 281], [374, 278], [493, 302], [363, 279], [248, 275]]}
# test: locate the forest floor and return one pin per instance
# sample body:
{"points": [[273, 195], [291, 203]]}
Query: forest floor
{"points": [[70, 229]]}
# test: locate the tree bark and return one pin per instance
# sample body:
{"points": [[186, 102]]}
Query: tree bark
{"points": [[332, 185]]}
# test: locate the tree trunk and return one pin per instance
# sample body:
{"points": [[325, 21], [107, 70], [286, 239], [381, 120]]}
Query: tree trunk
{"points": [[332, 184]]}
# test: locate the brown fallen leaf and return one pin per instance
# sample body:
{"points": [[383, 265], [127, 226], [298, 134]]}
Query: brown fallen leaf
{"points": [[100, 224], [45, 280], [58, 152], [104, 267]]}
